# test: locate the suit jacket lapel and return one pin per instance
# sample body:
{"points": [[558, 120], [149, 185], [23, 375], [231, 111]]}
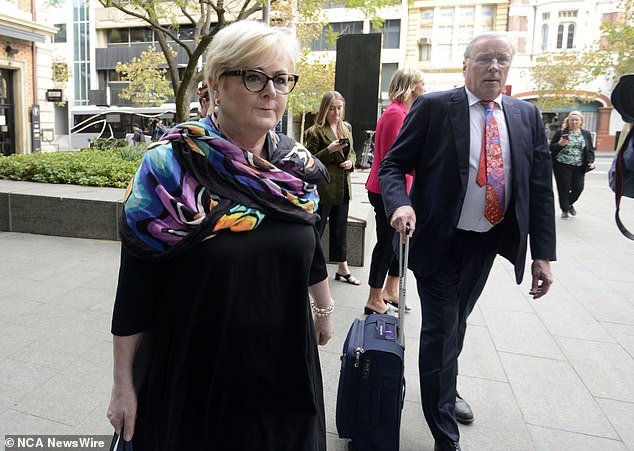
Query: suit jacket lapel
{"points": [[458, 111], [515, 129]]}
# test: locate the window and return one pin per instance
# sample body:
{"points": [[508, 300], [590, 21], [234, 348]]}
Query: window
{"points": [[545, 16], [568, 13], [118, 36], [567, 31], [335, 4], [391, 30], [466, 13], [387, 72], [60, 36], [544, 36], [571, 36], [81, 50], [331, 31]]}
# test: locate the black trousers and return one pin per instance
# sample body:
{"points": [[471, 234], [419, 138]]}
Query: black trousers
{"points": [[447, 298], [383, 259], [337, 218], [570, 180]]}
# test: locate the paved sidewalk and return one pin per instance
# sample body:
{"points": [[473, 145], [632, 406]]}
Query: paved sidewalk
{"points": [[550, 375]]}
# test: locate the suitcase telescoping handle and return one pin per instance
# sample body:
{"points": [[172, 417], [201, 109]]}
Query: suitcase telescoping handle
{"points": [[403, 256]]}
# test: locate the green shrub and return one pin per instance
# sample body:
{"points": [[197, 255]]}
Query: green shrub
{"points": [[91, 167]]}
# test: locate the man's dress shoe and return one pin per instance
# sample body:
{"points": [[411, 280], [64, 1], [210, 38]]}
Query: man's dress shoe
{"points": [[446, 446], [462, 411]]}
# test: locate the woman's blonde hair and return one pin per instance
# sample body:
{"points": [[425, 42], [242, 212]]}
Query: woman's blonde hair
{"points": [[573, 113], [402, 82], [248, 44], [322, 114]]}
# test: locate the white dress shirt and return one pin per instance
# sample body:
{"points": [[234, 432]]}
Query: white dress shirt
{"points": [[472, 214]]}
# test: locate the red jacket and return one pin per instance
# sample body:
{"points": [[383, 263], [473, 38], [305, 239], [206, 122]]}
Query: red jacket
{"points": [[387, 129]]}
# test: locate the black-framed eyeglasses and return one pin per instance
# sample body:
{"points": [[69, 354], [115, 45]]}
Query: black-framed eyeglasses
{"points": [[255, 80]]}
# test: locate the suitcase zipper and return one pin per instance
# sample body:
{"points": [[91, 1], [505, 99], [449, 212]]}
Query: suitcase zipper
{"points": [[357, 353]]}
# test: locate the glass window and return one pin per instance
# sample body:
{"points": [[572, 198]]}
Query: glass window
{"points": [[335, 4], [337, 28], [446, 14], [466, 12], [391, 30], [544, 36], [487, 11], [118, 36], [424, 51], [427, 15], [387, 71], [571, 36], [138, 35], [560, 35], [545, 16], [186, 32], [60, 36]]}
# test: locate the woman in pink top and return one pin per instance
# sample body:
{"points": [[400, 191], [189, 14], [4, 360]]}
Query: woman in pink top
{"points": [[405, 86]]}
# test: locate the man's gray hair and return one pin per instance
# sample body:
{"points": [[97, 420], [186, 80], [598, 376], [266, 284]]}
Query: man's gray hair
{"points": [[490, 35]]}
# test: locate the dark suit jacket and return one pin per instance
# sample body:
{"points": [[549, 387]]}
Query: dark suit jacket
{"points": [[434, 142]]}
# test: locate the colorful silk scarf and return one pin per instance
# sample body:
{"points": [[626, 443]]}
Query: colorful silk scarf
{"points": [[194, 183]]}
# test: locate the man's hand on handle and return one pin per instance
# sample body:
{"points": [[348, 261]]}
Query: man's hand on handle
{"points": [[402, 216]]}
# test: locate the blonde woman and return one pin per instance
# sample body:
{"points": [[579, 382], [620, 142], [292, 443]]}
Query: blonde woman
{"points": [[330, 140], [573, 156], [405, 87], [215, 346]]}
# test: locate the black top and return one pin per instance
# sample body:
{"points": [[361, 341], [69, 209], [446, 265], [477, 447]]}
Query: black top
{"points": [[229, 357]]}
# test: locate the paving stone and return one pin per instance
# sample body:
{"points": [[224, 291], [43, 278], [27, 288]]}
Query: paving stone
{"points": [[547, 439], [606, 369], [520, 333], [551, 394], [620, 415]]}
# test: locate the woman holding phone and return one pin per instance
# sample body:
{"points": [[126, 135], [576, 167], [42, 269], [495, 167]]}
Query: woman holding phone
{"points": [[330, 141], [573, 156]]}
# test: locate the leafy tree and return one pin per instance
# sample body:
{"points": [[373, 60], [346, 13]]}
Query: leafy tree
{"points": [[148, 84], [558, 75], [207, 17], [315, 78], [613, 54]]}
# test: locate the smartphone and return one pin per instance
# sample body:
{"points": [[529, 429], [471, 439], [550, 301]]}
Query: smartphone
{"points": [[564, 136], [344, 141]]}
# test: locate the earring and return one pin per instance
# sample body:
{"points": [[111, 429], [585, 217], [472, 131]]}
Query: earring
{"points": [[216, 105]]}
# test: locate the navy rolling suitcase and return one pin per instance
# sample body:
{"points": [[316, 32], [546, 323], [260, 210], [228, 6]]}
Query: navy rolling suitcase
{"points": [[372, 382]]}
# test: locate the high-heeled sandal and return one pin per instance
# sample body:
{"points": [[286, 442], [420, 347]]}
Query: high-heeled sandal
{"points": [[408, 308], [348, 278], [369, 311]]}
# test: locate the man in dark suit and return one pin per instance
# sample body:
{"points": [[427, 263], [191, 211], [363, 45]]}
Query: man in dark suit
{"points": [[482, 185]]}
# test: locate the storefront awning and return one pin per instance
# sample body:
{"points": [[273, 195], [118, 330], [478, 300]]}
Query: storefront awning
{"points": [[23, 35]]}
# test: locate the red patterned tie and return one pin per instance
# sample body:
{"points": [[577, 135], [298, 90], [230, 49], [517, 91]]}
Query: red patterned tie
{"points": [[491, 169]]}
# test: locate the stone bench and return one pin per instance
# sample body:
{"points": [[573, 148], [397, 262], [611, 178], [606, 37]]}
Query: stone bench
{"points": [[92, 212]]}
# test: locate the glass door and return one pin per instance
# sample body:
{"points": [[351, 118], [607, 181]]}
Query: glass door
{"points": [[7, 119]]}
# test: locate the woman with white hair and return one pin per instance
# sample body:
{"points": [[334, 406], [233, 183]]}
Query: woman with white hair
{"points": [[215, 338]]}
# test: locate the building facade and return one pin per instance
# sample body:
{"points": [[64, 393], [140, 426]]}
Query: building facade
{"points": [[25, 116]]}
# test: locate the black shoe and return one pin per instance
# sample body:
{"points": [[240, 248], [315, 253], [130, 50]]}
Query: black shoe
{"points": [[369, 311], [462, 411], [564, 214], [446, 446], [572, 211]]}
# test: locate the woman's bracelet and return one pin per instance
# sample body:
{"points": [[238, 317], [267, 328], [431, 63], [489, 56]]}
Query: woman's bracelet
{"points": [[322, 312]]}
